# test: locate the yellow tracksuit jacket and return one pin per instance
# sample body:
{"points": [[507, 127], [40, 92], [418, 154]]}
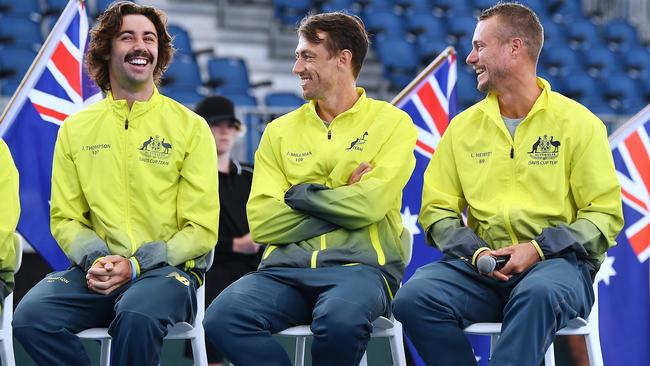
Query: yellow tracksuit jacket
{"points": [[138, 182], [9, 213], [300, 202], [554, 183]]}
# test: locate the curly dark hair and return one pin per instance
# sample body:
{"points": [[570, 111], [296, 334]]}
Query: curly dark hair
{"points": [[108, 26]]}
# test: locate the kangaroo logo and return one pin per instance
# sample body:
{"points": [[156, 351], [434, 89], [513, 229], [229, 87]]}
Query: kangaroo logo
{"points": [[145, 144], [354, 145], [544, 151]]}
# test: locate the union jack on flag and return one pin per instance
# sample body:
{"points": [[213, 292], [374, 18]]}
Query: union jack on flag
{"points": [[624, 277], [633, 169], [55, 87]]}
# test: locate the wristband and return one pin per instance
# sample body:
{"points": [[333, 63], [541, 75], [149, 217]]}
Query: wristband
{"points": [[134, 273]]}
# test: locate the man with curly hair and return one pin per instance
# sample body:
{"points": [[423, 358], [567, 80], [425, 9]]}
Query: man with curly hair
{"points": [[136, 220]]}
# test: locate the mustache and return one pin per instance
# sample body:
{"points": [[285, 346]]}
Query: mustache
{"points": [[139, 53]]}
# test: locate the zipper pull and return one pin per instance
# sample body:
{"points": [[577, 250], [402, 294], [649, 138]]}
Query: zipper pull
{"points": [[329, 134], [512, 152], [126, 124]]}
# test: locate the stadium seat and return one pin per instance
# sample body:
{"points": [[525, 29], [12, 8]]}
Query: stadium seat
{"points": [[466, 92], [600, 61], [6, 331], [182, 40], [622, 93], [23, 8], [582, 87], [582, 34], [452, 8], [428, 47], [14, 63], [283, 99], [228, 75], [54, 7], [182, 73], [636, 63], [566, 11], [290, 12], [620, 35], [349, 6], [384, 23], [193, 332], [559, 61], [416, 6], [425, 24], [20, 31], [241, 99], [400, 61], [553, 33], [461, 29]]}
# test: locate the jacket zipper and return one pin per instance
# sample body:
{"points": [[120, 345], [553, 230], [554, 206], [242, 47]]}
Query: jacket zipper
{"points": [[126, 185], [329, 134]]}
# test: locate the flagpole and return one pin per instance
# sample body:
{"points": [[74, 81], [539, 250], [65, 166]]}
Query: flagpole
{"points": [[437, 61], [39, 55]]}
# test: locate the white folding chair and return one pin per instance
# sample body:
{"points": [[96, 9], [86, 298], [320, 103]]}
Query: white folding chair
{"points": [[6, 331], [382, 327], [193, 332], [578, 326]]}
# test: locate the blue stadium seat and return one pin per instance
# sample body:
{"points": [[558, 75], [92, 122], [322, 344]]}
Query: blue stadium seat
{"points": [[636, 63], [553, 33], [290, 12], [582, 87], [400, 61], [559, 61], [24, 8], [461, 29], [600, 61], [14, 63], [582, 34], [620, 35], [54, 7], [384, 23], [556, 83], [416, 6], [622, 93], [428, 47], [452, 8], [426, 24], [567, 11], [377, 5], [283, 99], [187, 97], [183, 73], [241, 99], [348, 6], [20, 31], [229, 75], [182, 40]]}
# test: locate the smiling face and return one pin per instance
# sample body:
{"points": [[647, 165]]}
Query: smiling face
{"points": [[489, 56], [316, 68], [134, 54]]}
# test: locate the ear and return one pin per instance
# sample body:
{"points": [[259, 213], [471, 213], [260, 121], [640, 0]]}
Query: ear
{"points": [[345, 58], [516, 46]]}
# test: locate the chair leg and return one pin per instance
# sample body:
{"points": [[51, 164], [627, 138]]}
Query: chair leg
{"points": [[199, 352], [397, 345], [593, 349], [299, 360], [364, 359], [549, 356], [105, 356], [7, 352]]}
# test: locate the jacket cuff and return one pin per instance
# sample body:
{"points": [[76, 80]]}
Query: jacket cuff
{"points": [[94, 251], [151, 255], [476, 253], [298, 196], [554, 241], [538, 249]]}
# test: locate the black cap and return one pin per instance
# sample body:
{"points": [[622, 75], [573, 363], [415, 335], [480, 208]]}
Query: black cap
{"points": [[216, 109]]}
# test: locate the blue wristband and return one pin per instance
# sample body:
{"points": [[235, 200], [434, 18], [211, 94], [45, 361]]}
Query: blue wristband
{"points": [[134, 274]]}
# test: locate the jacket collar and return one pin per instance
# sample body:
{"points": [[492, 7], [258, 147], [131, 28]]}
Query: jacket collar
{"points": [[358, 105], [490, 105], [122, 111]]}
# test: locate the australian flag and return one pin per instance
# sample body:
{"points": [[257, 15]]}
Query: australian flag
{"points": [[55, 86], [430, 100], [624, 278]]}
